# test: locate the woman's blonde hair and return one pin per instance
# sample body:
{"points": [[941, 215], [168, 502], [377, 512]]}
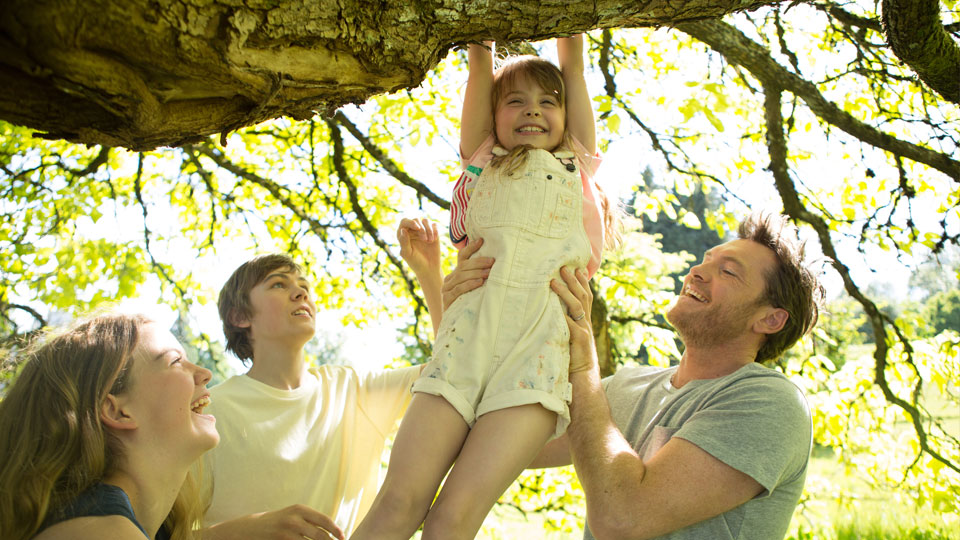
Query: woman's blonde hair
{"points": [[54, 446], [533, 69]]}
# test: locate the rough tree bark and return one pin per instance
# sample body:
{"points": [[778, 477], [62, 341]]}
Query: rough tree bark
{"points": [[917, 36], [148, 73]]}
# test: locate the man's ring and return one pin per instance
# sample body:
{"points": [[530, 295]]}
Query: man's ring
{"points": [[580, 318]]}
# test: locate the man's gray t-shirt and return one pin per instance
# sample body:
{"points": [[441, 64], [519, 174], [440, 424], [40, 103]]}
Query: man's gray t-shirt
{"points": [[754, 420]]}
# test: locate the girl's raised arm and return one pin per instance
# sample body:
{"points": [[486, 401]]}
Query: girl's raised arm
{"points": [[476, 119], [580, 122]]}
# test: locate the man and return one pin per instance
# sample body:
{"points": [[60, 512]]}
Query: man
{"points": [[716, 447], [300, 447]]}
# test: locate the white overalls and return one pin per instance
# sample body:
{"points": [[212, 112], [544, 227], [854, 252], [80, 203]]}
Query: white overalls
{"points": [[507, 343]]}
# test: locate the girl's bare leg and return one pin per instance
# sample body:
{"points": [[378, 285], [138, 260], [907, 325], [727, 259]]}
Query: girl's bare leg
{"points": [[500, 445], [430, 437]]}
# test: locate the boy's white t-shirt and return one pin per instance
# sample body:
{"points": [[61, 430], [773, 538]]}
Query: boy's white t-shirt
{"points": [[319, 445]]}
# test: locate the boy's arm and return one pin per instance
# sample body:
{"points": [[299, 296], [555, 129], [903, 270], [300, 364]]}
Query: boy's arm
{"points": [[580, 122], [476, 119], [420, 248]]}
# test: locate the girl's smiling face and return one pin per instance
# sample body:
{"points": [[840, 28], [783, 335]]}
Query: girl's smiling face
{"points": [[166, 395], [529, 115]]}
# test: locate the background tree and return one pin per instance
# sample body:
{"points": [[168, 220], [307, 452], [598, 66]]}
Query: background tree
{"points": [[804, 108], [942, 311]]}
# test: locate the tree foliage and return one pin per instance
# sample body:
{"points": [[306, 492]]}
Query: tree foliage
{"points": [[803, 108]]}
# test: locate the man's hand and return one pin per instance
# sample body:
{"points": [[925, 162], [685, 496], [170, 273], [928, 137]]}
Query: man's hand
{"points": [[469, 274], [574, 292], [291, 523]]}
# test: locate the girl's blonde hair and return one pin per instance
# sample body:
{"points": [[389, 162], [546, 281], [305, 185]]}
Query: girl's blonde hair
{"points": [[54, 446], [533, 69]]}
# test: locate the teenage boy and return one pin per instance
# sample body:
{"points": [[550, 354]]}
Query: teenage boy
{"points": [[300, 446]]}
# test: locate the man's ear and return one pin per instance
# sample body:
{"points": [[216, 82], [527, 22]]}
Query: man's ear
{"points": [[238, 320], [114, 416], [772, 322]]}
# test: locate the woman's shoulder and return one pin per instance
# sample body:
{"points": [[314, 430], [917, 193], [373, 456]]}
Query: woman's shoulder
{"points": [[92, 528], [101, 507]]}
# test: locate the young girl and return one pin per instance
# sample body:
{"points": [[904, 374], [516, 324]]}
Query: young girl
{"points": [[100, 429], [496, 389]]}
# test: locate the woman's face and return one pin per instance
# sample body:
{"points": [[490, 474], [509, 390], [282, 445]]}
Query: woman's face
{"points": [[167, 394]]}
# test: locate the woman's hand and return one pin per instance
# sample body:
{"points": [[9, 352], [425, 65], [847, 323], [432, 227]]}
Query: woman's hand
{"points": [[469, 274], [574, 292]]}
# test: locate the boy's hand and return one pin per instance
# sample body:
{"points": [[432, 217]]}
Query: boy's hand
{"points": [[419, 245], [294, 522]]}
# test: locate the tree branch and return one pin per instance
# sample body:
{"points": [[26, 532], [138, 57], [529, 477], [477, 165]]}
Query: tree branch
{"points": [[918, 38], [740, 50], [338, 151], [276, 191], [645, 321], [793, 207], [850, 19], [159, 268], [32, 312], [137, 75], [610, 88], [100, 159], [207, 179], [388, 164]]}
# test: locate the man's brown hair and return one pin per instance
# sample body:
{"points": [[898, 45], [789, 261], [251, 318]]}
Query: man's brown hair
{"points": [[792, 285], [234, 301]]}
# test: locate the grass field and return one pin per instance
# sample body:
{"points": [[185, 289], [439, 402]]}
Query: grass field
{"points": [[851, 508]]}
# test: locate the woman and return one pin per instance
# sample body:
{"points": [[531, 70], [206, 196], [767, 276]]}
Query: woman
{"points": [[100, 430]]}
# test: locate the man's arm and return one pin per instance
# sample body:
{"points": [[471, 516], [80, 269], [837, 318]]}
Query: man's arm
{"points": [[627, 497]]}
